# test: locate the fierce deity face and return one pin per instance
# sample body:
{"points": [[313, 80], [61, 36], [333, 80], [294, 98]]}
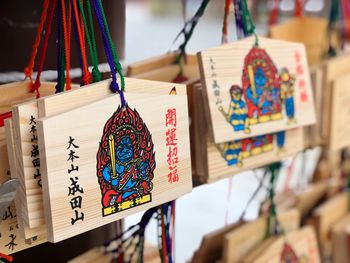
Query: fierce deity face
{"points": [[259, 77], [125, 150]]}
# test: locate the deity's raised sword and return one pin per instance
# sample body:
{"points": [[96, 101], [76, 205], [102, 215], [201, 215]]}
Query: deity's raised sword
{"points": [[112, 155], [251, 79]]}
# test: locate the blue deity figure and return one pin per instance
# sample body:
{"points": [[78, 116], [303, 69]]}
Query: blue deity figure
{"points": [[125, 173], [287, 93], [237, 114], [259, 94], [232, 153]]}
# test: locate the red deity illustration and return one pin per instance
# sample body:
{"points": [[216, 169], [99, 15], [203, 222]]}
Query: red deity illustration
{"points": [[125, 162]]}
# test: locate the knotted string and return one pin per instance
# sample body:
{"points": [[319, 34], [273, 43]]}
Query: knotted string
{"points": [[28, 71], [112, 48], [96, 73], [86, 79], [109, 53], [7, 258], [35, 86]]}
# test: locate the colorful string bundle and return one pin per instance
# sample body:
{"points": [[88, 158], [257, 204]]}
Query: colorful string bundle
{"points": [[166, 232], [83, 25], [129, 245]]}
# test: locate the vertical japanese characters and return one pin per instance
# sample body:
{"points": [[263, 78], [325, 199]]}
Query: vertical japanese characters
{"points": [[9, 218], [35, 150], [172, 144], [300, 76], [75, 191], [214, 84]]}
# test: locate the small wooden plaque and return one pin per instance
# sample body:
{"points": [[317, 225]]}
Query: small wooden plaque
{"points": [[332, 70], [254, 90], [303, 242], [325, 216], [18, 92], [165, 68], [340, 240], [86, 125], [340, 114], [33, 214], [11, 240], [27, 166], [26, 232], [311, 31], [211, 247], [213, 162], [240, 241]]}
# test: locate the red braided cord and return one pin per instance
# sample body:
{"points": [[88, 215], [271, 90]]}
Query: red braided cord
{"points": [[35, 86], [225, 26], [87, 78], [274, 13], [28, 71], [67, 37], [298, 8]]}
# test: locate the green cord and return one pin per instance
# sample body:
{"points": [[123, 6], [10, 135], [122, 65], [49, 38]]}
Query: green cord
{"points": [[96, 75], [117, 64], [272, 219], [62, 79], [248, 24]]}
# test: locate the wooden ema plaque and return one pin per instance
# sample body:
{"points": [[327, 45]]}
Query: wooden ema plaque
{"points": [[27, 163], [340, 240], [211, 247], [340, 114], [14, 93], [25, 116], [332, 70], [28, 233], [301, 247], [165, 68], [325, 216], [80, 199], [11, 240], [313, 136], [309, 198], [311, 31], [253, 90], [240, 241], [11, 94], [217, 161]]}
